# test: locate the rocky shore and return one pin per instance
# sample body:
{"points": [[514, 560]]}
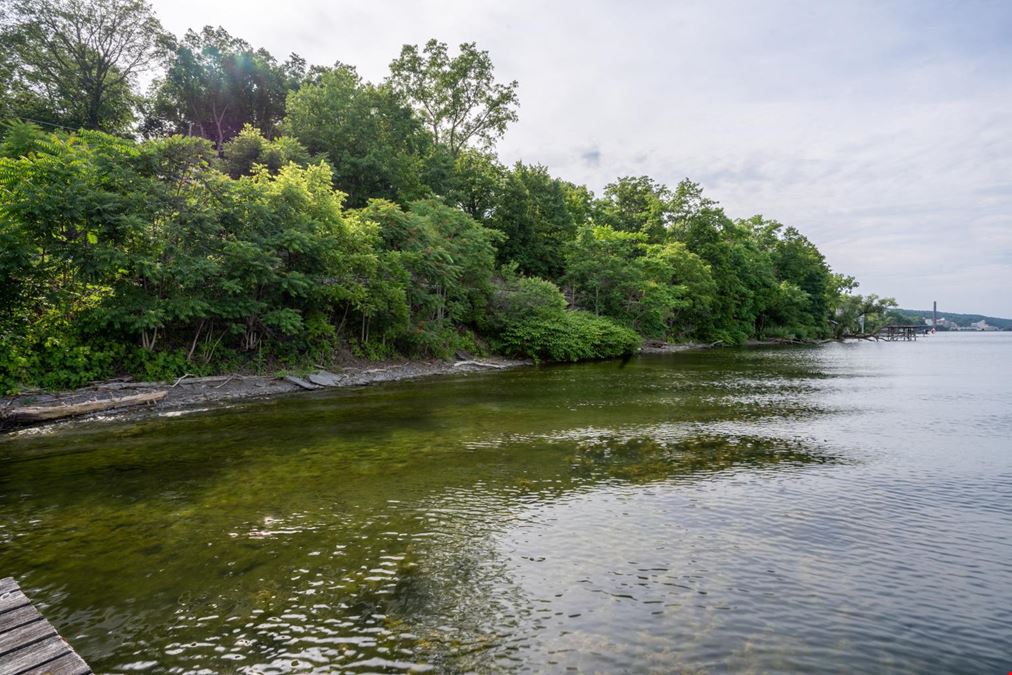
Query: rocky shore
{"points": [[124, 397]]}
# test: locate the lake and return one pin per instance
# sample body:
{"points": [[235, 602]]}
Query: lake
{"points": [[843, 508]]}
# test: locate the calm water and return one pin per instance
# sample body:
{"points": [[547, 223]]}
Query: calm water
{"points": [[838, 509]]}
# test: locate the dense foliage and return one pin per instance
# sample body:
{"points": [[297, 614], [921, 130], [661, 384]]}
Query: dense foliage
{"points": [[277, 215]]}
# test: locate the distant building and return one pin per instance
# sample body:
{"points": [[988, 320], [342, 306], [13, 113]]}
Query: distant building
{"points": [[943, 324]]}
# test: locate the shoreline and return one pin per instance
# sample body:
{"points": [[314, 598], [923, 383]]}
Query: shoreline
{"points": [[193, 392], [144, 399]]}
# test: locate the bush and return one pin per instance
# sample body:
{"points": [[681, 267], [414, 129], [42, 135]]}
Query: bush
{"points": [[528, 317], [567, 336], [517, 299]]}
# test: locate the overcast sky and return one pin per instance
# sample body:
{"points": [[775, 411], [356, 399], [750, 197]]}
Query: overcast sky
{"points": [[883, 131]]}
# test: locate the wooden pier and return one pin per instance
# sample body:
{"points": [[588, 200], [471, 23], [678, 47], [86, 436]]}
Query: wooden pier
{"points": [[29, 645], [901, 332]]}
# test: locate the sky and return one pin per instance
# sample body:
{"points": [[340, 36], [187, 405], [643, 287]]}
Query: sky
{"points": [[881, 130]]}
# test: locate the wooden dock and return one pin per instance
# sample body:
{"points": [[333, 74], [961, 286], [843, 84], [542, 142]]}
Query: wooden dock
{"points": [[895, 332], [29, 645]]}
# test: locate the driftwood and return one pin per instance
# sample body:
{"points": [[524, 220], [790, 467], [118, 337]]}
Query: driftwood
{"points": [[43, 413], [116, 386], [206, 380], [181, 378], [480, 364]]}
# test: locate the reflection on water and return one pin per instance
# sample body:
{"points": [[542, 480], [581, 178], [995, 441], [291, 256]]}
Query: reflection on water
{"points": [[836, 509]]}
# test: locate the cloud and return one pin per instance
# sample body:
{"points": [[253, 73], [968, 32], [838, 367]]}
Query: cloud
{"points": [[592, 157], [882, 130]]}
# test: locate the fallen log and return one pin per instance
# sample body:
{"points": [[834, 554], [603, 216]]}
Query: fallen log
{"points": [[211, 379], [43, 413], [480, 364], [115, 386]]}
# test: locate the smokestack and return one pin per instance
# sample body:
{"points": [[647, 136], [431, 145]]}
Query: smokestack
{"points": [[934, 315]]}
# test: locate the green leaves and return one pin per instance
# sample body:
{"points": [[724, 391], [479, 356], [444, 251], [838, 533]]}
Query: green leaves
{"points": [[75, 61], [457, 97], [372, 140], [644, 286], [567, 336], [215, 84]]}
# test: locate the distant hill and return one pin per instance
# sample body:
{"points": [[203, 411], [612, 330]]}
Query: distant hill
{"points": [[959, 319]]}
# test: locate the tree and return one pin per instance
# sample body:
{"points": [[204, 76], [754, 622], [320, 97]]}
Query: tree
{"points": [[657, 289], [636, 205], [531, 211], [859, 315], [216, 84], [458, 98], [528, 317], [249, 148], [82, 56], [742, 268], [372, 139], [449, 259], [800, 303], [476, 184]]}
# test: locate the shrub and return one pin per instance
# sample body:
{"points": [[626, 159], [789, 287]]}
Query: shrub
{"points": [[567, 336]]}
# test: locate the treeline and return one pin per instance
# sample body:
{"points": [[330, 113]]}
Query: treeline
{"points": [[249, 211], [921, 316]]}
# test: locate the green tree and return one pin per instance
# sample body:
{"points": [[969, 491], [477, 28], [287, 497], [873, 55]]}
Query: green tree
{"points": [[249, 148], [372, 139], [528, 317], [636, 205], [743, 272], [531, 211], [855, 314], [449, 259], [799, 306], [75, 60], [457, 97], [216, 84], [476, 185], [660, 290]]}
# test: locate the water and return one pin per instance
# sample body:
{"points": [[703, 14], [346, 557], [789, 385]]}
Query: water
{"points": [[846, 508]]}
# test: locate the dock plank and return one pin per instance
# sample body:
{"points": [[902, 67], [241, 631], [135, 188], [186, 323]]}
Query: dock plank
{"points": [[28, 642], [12, 600], [24, 636], [68, 664], [18, 617], [33, 655]]}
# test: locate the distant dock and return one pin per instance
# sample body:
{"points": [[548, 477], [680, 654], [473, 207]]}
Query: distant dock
{"points": [[894, 332], [29, 645]]}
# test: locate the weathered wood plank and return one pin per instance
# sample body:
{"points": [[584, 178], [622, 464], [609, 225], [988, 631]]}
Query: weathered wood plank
{"points": [[33, 655], [68, 664], [18, 617], [12, 600], [7, 584], [24, 636], [28, 642]]}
